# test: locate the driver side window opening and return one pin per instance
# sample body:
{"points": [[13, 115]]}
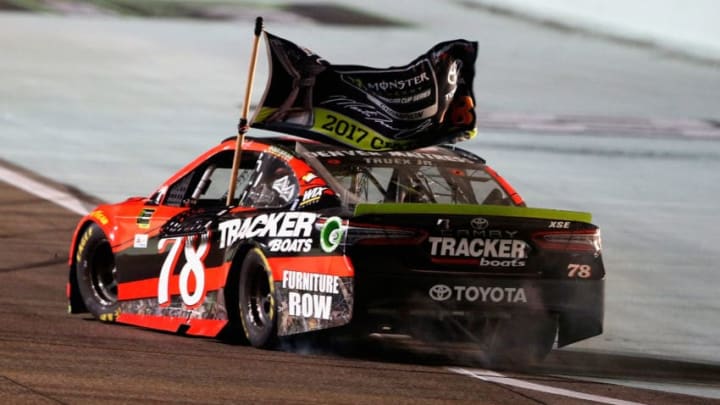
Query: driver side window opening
{"points": [[207, 185], [273, 185]]}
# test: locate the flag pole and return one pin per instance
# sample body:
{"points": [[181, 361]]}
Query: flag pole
{"points": [[243, 124]]}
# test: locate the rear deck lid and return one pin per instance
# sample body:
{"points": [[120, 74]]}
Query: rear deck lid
{"points": [[482, 239]]}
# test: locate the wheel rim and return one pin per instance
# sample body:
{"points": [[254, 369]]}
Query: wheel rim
{"points": [[102, 275], [258, 298]]}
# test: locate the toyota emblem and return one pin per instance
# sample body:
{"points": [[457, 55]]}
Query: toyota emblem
{"points": [[479, 223], [440, 292]]}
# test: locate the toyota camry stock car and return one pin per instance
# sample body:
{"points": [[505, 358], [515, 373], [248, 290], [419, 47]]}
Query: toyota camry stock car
{"points": [[430, 243]]}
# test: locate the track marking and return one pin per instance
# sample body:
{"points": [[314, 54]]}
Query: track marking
{"points": [[490, 376], [43, 191]]}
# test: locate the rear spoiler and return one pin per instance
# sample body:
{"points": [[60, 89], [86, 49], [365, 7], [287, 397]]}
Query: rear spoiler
{"points": [[469, 209]]}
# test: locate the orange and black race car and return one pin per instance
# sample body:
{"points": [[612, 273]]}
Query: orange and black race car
{"points": [[430, 243]]}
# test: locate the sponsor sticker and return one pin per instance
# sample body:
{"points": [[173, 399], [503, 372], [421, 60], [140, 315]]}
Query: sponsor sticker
{"points": [[308, 177], [284, 187], [100, 216], [478, 247], [331, 234], [416, 156], [290, 245], [312, 195], [275, 225], [279, 153], [143, 220], [140, 241], [461, 293], [311, 294]]}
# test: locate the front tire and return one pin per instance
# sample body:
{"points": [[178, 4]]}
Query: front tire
{"points": [[96, 274], [256, 300]]}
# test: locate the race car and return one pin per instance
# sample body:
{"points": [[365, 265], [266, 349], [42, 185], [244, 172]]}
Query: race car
{"points": [[430, 243]]}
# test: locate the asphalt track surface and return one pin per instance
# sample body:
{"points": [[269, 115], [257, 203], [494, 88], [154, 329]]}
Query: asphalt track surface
{"points": [[90, 101], [49, 356]]}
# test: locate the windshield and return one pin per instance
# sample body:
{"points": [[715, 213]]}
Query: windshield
{"points": [[433, 175]]}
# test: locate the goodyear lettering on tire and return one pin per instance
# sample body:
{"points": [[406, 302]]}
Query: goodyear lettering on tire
{"points": [[110, 316], [83, 241]]}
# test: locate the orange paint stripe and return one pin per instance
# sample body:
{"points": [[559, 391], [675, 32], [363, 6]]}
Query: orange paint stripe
{"points": [[517, 199], [151, 321], [198, 327], [206, 327]]}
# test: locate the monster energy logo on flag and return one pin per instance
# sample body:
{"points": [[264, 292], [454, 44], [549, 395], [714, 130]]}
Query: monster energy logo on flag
{"points": [[428, 101]]}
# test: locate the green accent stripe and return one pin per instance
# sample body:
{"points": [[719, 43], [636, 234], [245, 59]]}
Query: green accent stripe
{"points": [[467, 209]]}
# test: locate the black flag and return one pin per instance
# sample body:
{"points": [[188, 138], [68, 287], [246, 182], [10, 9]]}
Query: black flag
{"points": [[428, 101]]}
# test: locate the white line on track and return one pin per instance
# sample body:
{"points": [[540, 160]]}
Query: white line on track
{"points": [[490, 376], [43, 191]]}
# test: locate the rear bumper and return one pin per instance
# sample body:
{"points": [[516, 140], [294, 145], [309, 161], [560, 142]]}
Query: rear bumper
{"points": [[395, 302]]}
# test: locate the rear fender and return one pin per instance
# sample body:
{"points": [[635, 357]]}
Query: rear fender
{"points": [[576, 325], [326, 302], [312, 292]]}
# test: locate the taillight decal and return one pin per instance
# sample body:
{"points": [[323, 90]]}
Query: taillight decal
{"points": [[367, 234], [588, 240]]}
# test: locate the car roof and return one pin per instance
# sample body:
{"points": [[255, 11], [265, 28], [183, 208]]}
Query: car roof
{"points": [[289, 142]]}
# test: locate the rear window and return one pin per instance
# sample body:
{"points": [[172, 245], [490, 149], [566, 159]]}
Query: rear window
{"points": [[433, 175]]}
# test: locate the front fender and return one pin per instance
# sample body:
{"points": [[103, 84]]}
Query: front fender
{"points": [[98, 217]]}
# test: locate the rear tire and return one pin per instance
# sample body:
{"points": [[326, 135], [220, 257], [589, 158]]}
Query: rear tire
{"points": [[95, 273], [256, 300]]}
